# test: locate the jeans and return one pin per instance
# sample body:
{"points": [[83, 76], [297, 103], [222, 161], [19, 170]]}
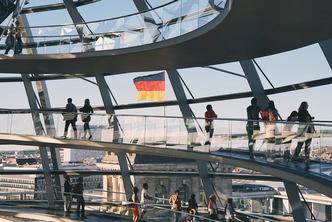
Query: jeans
{"points": [[176, 216]]}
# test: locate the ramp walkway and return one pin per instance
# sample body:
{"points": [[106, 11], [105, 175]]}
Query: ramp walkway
{"points": [[297, 173]]}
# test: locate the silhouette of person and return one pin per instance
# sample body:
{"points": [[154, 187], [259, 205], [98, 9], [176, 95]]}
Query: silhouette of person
{"points": [[304, 117], [70, 117], [209, 128], [78, 192], [86, 117], [252, 125], [67, 193], [286, 132]]}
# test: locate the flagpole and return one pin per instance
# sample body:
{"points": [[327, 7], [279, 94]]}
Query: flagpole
{"points": [[165, 127]]}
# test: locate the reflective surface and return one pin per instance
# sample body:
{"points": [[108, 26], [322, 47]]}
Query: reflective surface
{"points": [[167, 21], [272, 141]]}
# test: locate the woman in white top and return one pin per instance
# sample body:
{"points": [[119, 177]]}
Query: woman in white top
{"points": [[145, 198]]}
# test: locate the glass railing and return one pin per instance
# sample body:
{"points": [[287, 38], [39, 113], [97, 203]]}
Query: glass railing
{"points": [[164, 22], [95, 201], [274, 142], [271, 140]]}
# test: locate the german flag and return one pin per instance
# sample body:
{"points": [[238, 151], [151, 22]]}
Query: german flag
{"points": [[151, 87]]}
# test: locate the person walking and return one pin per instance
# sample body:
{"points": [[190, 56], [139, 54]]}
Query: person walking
{"points": [[175, 203], [304, 117], [270, 129], [67, 193], [192, 207], [86, 118], [145, 198], [210, 115], [252, 125], [135, 201], [18, 38], [78, 192], [229, 210], [10, 41], [70, 117], [212, 207], [287, 132]]}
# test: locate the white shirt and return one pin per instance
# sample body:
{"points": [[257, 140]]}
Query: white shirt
{"points": [[144, 194]]}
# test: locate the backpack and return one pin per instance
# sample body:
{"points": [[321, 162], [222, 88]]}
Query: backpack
{"points": [[264, 115]]}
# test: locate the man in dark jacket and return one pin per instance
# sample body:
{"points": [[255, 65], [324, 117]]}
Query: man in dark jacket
{"points": [[78, 192], [252, 125], [67, 193], [70, 117]]}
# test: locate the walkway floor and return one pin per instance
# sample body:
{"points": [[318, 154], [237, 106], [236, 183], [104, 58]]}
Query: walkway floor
{"points": [[8, 214]]}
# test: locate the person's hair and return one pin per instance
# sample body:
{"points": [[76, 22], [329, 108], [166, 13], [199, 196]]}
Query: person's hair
{"points": [[67, 177], [86, 102], [177, 191], [17, 22], [271, 105], [212, 196], [69, 100], [193, 196], [303, 106], [145, 185], [293, 114], [208, 107], [254, 101], [135, 189], [80, 179], [230, 200]]}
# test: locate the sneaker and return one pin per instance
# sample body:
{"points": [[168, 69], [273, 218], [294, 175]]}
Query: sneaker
{"points": [[207, 143], [90, 137]]}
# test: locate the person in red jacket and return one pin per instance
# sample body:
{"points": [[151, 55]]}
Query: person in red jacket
{"points": [[210, 115]]}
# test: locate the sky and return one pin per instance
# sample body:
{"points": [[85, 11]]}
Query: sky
{"points": [[295, 66]]}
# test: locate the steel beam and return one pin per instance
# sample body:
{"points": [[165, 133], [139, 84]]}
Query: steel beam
{"points": [[48, 118], [326, 47], [191, 128], [39, 131], [75, 16], [107, 100], [295, 201], [255, 83]]}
